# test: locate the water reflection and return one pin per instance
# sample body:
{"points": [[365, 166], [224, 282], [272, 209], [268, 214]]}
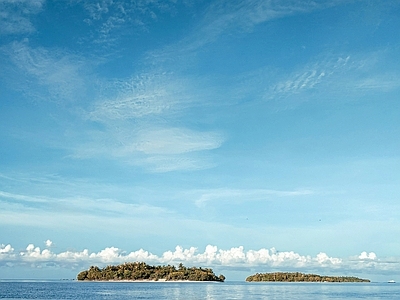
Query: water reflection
{"points": [[193, 291]]}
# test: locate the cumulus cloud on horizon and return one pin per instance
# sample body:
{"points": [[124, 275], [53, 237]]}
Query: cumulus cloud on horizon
{"points": [[234, 258]]}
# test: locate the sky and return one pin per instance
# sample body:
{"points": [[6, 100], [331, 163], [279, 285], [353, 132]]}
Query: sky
{"points": [[246, 136]]}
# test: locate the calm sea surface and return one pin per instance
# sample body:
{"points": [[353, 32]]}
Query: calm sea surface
{"points": [[197, 290]]}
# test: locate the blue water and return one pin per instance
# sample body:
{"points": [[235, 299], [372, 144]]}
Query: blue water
{"points": [[195, 290]]}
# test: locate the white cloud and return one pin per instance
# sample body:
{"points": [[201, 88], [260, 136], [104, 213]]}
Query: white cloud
{"points": [[139, 96], [175, 141], [383, 82], [236, 257], [308, 78], [347, 75], [53, 74], [367, 72], [6, 249], [48, 243], [232, 195], [155, 149], [112, 15], [365, 255], [329, 77], [66, 212], [138, 115], [324, 259], [170, 163], [15, 15], [22, 198], [247, 14], [222, 16], [158, 95]]}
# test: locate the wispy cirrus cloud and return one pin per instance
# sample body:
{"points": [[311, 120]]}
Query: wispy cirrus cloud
{"points": [[237, 195], [235, 16], [51, 74], [383, 82], [236, 257], [148, 94], [123, 107], [374, 71], [155, 149], [15, 15], [309, 77], [42, 210], [342, 76], [364, 72], [139, 116], [170, 163], [172, 149], [113, 18], [245, 15], [175, 141], [128, 218]]}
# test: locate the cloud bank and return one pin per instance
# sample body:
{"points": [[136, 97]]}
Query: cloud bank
{"points": [[234, 258]]}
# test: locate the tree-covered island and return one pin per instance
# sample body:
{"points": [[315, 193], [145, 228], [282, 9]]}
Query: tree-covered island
{"points": [[142, 271], [300, 277]]}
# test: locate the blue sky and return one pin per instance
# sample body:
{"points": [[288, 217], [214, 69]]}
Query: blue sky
{"points": [[240, 135]]}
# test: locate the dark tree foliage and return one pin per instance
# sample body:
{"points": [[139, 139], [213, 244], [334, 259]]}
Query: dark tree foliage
{"points": [[142, 271], [300, 277]]}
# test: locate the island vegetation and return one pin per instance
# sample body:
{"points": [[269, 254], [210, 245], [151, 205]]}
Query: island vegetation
{"points": [[300, 277], [142, 271]]}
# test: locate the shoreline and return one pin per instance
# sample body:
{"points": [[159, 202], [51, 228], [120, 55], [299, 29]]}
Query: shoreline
{"points": [[147, 280]]}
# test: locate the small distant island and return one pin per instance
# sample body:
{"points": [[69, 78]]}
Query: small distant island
{"points": [[140, 271], [300, 277]]}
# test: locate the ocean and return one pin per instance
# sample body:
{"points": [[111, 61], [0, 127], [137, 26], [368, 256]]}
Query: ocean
{"points": [[194, 290]]}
